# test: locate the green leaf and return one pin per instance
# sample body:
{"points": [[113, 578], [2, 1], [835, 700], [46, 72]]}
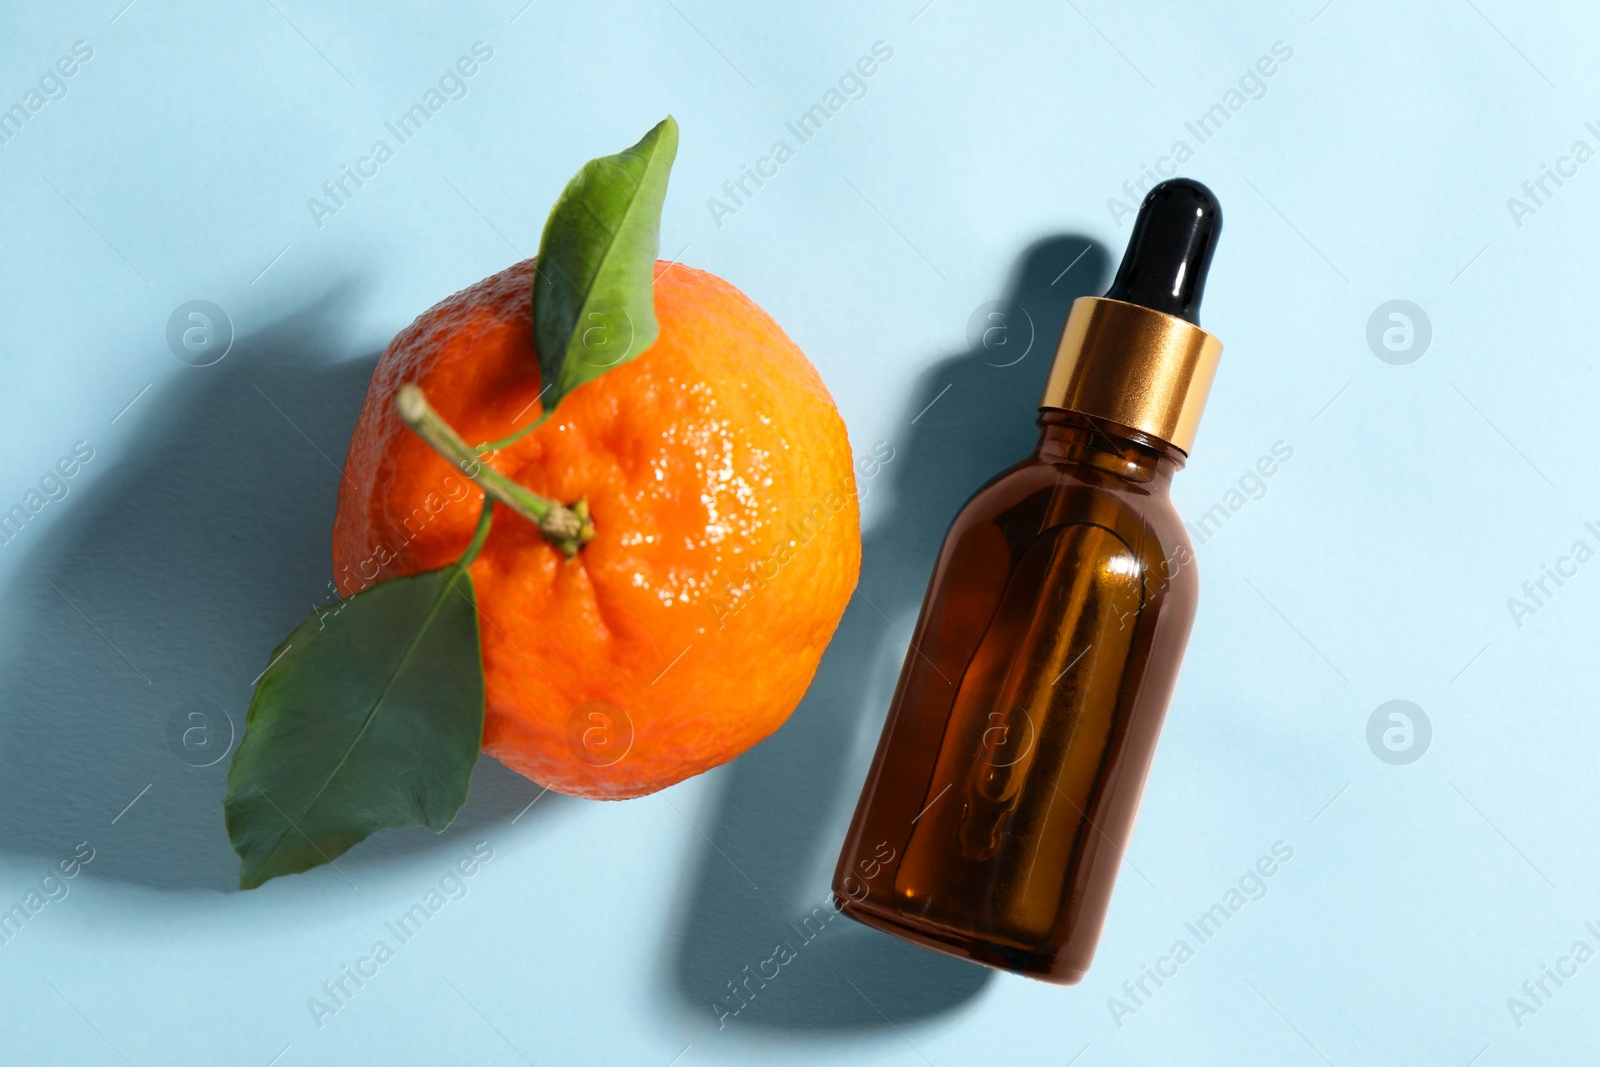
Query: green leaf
{"points": [[594, 289], [368, 716]]}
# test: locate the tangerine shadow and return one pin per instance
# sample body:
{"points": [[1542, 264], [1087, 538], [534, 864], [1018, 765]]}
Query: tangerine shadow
{"points": [[159, 593]]}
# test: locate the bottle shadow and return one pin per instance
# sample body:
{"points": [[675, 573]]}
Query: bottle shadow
{"points": [[145, 610], [761, 944]]}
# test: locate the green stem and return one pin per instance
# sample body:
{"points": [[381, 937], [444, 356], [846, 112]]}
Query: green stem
{"points": [[568, 528], [479, 535], [495, 446]]}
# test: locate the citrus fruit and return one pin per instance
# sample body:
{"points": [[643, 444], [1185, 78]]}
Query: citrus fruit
{"points": [[718, 478]]}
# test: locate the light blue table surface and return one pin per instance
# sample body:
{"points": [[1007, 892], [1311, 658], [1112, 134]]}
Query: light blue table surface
{"points": [[1435, 468]]}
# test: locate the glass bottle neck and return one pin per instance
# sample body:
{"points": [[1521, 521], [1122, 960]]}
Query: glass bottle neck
{"points": [[1076, 438]]}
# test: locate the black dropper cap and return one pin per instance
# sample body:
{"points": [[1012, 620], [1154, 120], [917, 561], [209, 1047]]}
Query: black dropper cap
{"points": [[1170, 249]]}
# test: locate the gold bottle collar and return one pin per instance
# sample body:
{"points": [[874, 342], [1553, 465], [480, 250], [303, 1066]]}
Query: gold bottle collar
{"points": [[1146, 370]]}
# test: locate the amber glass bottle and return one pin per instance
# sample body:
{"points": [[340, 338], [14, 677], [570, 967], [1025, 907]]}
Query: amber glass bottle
{"points": [[1006, 782]]}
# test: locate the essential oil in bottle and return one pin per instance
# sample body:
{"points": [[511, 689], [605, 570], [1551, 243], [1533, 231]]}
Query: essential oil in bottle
{"points": [[1010, 768]]}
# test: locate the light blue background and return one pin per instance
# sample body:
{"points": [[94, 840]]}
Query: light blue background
{"points": [[978, 164]]}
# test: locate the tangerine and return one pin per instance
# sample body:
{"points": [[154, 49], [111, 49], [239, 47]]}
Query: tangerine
{"points": [[718, 477]]}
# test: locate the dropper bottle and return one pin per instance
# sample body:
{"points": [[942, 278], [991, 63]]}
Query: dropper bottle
{"points": [[1006, 782]]}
